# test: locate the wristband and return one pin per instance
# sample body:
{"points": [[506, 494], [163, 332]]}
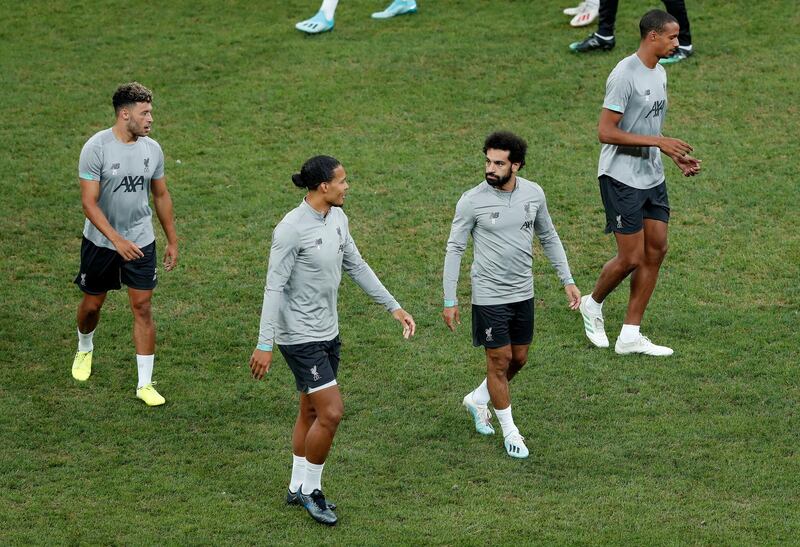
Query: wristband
{"points": [[569, 281], [264, 347], [449, 303]]}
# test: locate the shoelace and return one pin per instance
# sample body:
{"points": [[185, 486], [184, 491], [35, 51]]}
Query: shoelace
{"points": [[484, 415]]}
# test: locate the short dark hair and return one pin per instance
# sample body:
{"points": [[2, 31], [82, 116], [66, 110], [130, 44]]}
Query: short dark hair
{"points": [[655, 20], [315, 171], [506, 140], [131, 93]]}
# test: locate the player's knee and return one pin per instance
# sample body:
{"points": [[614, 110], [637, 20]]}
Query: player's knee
{"points": [[331, 415], [632, 260], [656, 253], [141, 309], [499, 362]]}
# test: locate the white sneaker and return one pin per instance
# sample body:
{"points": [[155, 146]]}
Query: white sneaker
{"points": [[641, 345], [585, 17], [480, 414], [593, 325], [576, 10], [515, 445]]}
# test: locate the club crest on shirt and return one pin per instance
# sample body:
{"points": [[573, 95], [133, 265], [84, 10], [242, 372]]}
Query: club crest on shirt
{"points": [[341, 241], [147, 165], [114, 168], [494, 216], [318, 243]]}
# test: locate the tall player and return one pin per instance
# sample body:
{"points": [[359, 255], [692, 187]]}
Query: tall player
{"points": [[632, 183], [502, 213], [310, 247], [119, 167]]}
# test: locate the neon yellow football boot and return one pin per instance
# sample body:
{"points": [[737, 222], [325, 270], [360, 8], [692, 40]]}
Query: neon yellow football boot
{"points": [[82, 366], [150, 396]]}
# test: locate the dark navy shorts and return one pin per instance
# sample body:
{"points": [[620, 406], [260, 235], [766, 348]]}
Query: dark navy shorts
{"points": [[104, 270], [499, 325], [314, 364], [627, 207]]}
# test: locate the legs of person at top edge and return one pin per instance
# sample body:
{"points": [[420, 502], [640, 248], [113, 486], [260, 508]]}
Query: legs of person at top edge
{"points": [[639, 254]]}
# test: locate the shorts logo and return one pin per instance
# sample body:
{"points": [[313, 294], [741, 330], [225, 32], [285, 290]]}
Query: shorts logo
{"points": [[619, 221], [114, 167], [489, 337], [494, 217], [83, 279], [314, 374], [155, 274], [147, 165]]}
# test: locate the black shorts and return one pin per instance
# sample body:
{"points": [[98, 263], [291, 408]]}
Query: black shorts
{"points": [[627, 207], [499, 325], [314, 364], [104, 270]]}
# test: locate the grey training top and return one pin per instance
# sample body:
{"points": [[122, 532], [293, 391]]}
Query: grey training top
{"points": [[124, 172], [308, 252], [640, 95], [502, 225]]}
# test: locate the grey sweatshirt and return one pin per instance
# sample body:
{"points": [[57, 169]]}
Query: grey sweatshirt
{"points": [[502, 225], [308, 252]]}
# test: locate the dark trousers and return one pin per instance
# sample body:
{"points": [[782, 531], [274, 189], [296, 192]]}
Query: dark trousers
{"points": [[676, 8]]}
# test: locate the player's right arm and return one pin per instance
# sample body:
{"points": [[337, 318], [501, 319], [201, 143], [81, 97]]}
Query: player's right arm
{"points": [[463, 223], [90, 194], [282, 256], [608, 132]]}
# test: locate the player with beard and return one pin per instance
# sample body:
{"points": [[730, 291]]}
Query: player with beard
{"points": [[118, 169], [502, 213], [310, 247]]}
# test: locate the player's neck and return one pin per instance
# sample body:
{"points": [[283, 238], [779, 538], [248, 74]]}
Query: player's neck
{"points": [[510, 185], [648, 58], [123, 135], [318, 203]]}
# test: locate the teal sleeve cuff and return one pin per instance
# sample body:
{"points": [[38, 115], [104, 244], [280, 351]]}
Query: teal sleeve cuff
{"points": [[569, 281], [264, 347], [449, 303]]}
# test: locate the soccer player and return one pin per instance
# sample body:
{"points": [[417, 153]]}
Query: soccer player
{"points": [[502, 213], [119, 167], [310, 246], [603, 39], [323, 20], [632, 183]]}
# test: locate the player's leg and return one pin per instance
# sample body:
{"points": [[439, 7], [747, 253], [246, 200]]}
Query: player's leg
{"points": [[603, 38], [519, 356], [99, 273], [677, 8], [498, 361], [322, 21], [520, 332], [397, 7], [140, 277], [643, 282], [144, 340]]}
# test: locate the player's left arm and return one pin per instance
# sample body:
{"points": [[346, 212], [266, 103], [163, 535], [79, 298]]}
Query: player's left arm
{"points": [[163, 204], [554, 250]]}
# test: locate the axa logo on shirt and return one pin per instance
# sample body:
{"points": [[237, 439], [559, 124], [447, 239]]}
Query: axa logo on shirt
{"points": [[657, 108], [130, 184], [527, 225]]}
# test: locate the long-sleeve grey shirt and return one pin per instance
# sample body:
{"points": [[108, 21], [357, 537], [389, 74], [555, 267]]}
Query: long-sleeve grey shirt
{"points": [[308, 252], [502, 225]]}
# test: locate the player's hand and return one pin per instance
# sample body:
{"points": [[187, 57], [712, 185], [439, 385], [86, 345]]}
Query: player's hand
{"points": [[451, 317], [171, 256], [688, 165], [573, 296], [128, 250], [260, 362], [674, 147], [409, 327]]}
